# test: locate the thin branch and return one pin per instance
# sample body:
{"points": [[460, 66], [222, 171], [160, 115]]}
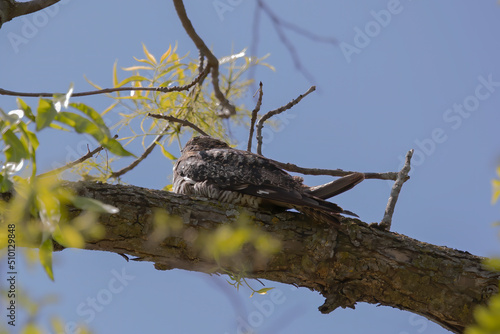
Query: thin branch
{"points": [[333, 172], [278, 25], [294, 27], [10, 9], [150, 148], [142, 157], [111, 90], [255, 111], [213, 63], [89, 155], [396, 189], [271, 113], [203, 73], [178, 120], [254, 44]]}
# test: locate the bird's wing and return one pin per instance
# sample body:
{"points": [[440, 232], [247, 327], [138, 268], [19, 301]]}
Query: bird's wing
{"points": [[233, 169]]}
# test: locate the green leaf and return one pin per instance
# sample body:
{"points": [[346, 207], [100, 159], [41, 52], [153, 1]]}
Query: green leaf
{"points": [[83, 125], [45, 254], [166, 153], [115, 147], [16, 150], [26, 108], [45, 114], [5, 184], [132, 78], [90, 112], [69, 236], [90, 204], [263, 291], [80, 124]]}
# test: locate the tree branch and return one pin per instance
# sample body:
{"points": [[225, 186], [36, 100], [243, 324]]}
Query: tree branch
{"points": [[10, 9], [396, 189], [269, 114], [354, 263], [213, 63], [181, 121], [200, 76], [255, 111], [87, 156], [334, 172], [143, 156]]}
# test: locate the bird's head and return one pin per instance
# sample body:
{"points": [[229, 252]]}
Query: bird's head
{"points": [[203, 143]]}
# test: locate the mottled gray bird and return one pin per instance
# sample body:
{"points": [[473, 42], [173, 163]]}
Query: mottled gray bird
{"points": [[208, 167]]}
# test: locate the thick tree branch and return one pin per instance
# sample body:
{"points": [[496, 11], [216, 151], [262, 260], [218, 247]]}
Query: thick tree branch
{"points": [[10, 9], [354, 263]]}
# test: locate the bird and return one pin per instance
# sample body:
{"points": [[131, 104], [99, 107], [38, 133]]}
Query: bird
{"points": [[209, 167]]}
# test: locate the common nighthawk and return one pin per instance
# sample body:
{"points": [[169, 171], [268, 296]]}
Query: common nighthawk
{"points": [[208, 167]]}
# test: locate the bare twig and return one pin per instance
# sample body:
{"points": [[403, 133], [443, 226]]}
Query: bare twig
{"points": [[278, 25], [89, 155], [396, 188], [271, 113], [143, 156], [312, 36], [111, 90], [333, 172], [10, 9], [150, 148], [178, 120], [255, 111], [213, 63]]}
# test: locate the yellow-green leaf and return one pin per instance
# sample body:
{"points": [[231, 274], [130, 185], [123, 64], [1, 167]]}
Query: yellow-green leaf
{"points": [[70, 237], [115, 76], [134, 68], [132, 78], [90, 112], [27, 109], [45, 253], [90, 204], [166, 54], [496, 190], [31, 328], [16, 150], [148, 54], [45, 114], [166, 153]]}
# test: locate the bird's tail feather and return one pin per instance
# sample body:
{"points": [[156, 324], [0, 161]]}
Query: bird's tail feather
{"points": [[337, 187]]}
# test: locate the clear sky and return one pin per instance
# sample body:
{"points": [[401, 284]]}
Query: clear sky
{"points": [[404, 74]]}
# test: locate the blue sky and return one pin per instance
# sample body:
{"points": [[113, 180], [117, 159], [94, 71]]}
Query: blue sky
{"points": [[425, 75]]}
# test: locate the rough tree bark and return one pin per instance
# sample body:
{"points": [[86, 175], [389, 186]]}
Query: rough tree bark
{"points": [[353, 263]]}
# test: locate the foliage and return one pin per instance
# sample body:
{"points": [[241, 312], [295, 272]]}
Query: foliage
{"points": [[37, 204], [488, 317], [197, 105]]}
